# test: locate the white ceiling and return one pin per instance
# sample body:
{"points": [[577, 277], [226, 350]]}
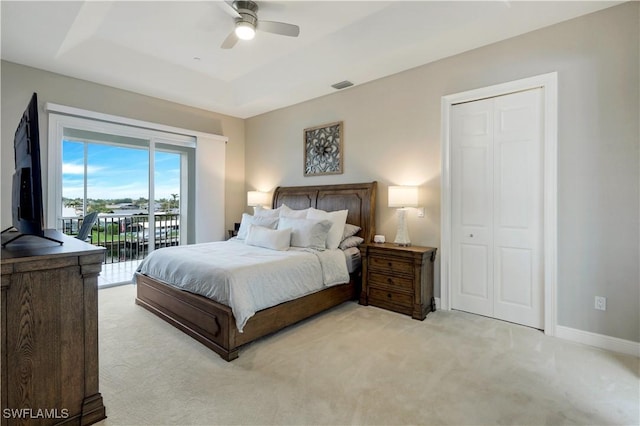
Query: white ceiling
{"points": [[170, 49]]}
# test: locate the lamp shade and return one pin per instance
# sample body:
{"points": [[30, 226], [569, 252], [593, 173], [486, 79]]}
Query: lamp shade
{"points": [[403, 196], [257, 198]]}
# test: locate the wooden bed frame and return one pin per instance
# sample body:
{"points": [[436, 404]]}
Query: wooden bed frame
{"points": [[214, 325]]}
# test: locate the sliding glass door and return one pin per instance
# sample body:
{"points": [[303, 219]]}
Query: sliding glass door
{"points": [[100, 176], [142, 188], [171, 165]]}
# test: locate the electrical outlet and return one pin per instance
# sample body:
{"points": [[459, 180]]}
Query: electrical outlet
{"points": [[601, 303], [420, 211]]}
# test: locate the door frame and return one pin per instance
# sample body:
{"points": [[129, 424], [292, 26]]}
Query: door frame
{"points": [[549, 85]]}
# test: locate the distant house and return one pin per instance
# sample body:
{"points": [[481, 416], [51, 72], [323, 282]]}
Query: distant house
{"points": [[123, 206]]}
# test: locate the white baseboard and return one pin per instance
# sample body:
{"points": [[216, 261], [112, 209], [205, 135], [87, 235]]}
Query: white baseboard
{"points": [[599, 340], [614, 344]]}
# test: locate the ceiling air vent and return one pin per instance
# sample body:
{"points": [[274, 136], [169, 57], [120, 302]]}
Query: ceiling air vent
{"points": [[342, 85]]}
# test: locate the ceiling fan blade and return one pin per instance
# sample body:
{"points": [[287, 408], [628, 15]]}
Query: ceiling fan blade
{"points": [[279, 28], [230, 41], [228, 8]]}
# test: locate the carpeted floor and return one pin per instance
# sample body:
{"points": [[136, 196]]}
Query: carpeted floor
{"points": [[359, 365]]}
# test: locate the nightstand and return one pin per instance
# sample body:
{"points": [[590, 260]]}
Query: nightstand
{"points": [[398, 278]]}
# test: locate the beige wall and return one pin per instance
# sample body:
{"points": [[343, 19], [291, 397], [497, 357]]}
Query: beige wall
{"points": [[19, 82], [392, 135]]}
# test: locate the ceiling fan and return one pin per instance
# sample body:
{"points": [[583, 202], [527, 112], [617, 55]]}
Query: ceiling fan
{"points": [[246, 16]]}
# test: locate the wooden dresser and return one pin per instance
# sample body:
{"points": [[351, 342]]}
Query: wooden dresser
{"points": [[49, 357], [398, 278]]}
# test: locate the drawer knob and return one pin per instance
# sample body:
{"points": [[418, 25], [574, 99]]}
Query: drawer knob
{"points": [[390, 280], [389, 295], [389, 264]]}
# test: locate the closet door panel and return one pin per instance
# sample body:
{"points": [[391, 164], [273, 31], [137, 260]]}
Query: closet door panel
{"points": [[472, 156], [518, 209]]}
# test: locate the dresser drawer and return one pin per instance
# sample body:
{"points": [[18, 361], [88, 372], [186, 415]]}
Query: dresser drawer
{"points": [[376, 279], [390, 265], [385, 297]]}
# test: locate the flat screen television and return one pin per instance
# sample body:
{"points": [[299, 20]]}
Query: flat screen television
{"points": [[26, 199]]}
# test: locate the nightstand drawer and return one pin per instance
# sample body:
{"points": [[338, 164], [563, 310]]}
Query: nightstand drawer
{"points": [[389, 281], [390, 265], [389, 297]]}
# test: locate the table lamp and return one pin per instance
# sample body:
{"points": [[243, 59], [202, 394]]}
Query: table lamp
{"points": [[402, 197]]}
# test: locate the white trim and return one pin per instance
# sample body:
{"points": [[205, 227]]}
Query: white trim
{"points": [[92, 115], [599, 340], [549, 85], [54, 169]]}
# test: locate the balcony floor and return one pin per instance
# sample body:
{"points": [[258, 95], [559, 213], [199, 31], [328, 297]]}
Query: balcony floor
{"points": [[119, 273]]}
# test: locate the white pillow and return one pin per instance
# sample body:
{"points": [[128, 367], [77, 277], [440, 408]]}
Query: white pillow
{"points": [[247, 219], [262, 212], [274, 239], [307, 233], [338, 220], [286, 211]]}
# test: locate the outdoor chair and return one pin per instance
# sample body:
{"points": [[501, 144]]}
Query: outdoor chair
{"points": [[87, 224]]}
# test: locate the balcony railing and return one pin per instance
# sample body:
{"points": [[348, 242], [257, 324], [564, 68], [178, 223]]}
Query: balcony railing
{"points": [[126, 237]]}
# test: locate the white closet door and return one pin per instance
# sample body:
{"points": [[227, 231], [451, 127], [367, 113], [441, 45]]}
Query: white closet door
{"points": [[497, 208], [472, 207], [518, 275]]}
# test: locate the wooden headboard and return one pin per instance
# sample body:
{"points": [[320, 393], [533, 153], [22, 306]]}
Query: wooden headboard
{"points": [[358, 198]]}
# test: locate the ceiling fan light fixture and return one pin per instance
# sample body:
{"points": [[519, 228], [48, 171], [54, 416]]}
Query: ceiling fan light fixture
{"points": [[245, 31], [245, 13]]}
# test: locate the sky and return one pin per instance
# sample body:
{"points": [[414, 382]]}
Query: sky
{"points": [[116, 172]]}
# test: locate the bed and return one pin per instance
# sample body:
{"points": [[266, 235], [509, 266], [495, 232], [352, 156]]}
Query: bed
{"points": [[213, 323]]}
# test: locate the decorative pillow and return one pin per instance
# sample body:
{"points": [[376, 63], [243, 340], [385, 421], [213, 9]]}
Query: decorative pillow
{"points": [[351, 241], [305, 233], [338, 220], [286, 211], [247, 219], [274, 239], [262, 212], [350, 230]]}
